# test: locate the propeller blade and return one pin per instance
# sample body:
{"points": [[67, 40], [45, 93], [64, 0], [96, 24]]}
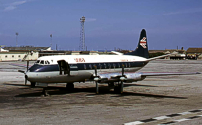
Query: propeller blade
{"points": [[27, 65], [25, 81], [122, 69], [121, 87], [21, 71], [97, 89], [96, 80], [95, 70]]}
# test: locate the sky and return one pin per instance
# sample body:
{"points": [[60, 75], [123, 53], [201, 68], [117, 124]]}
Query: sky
{"points": [[109, 24]]}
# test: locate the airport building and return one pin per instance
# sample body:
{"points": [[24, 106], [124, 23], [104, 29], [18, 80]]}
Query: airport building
{"points": [[194, 53], [21, 53]]}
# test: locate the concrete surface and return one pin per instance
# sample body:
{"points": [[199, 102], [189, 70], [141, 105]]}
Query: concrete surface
{"points": [[153, 97]]}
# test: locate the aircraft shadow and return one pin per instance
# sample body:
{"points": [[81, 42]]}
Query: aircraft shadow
{"points": [[148, 95], [128, 85], [102, 91], [13, 84]]}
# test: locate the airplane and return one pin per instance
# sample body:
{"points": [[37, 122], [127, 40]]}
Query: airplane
{"points": [[115, 70]]}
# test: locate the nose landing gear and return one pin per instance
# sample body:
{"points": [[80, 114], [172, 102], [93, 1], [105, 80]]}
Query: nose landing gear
{"points": [[70, 86]]}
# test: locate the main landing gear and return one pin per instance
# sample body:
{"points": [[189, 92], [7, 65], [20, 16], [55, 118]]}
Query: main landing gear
{"points": [[45, 92], [118, 88], [33, 84]]}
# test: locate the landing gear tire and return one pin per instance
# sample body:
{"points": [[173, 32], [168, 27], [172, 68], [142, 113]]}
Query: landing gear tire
{"points": [[70, 86], [44, 92], [33, 84], [117, 89], [111, 85]]}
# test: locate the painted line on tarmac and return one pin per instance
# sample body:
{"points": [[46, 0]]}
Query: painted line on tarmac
{"points": [[168, 116], [181, 120]]}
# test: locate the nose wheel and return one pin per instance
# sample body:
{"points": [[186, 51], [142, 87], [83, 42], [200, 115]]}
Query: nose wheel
{"points": [[33, 84], [70, 86]]}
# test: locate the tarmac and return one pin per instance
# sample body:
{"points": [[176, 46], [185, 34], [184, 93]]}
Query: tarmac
{"points": [[155, 100]]}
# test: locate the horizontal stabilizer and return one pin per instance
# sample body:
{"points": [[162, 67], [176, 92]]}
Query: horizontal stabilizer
{"points": [[117, 53], [158, 57]]}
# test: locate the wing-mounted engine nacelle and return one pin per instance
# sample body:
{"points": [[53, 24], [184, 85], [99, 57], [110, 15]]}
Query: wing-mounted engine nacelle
{"points": [[133, 77], [116, 77]]}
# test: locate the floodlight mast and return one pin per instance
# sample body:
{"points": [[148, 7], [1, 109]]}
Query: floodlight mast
{"points": [[82, 35]]}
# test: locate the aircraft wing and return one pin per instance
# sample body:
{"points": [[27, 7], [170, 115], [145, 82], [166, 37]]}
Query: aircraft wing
{"points": [[145, 74], [129, 77]]}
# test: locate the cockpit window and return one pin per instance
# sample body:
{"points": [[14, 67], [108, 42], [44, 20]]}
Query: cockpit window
{"points": [[42, 62], [37, 61], [46, 62]]}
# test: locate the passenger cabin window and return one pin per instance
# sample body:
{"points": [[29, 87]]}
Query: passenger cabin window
{"points": [[84, 66], [90, 66], [105, 65], [122, 65], [94, 65], [100, 65], [128, 64], [114, 65], [109, 65]]}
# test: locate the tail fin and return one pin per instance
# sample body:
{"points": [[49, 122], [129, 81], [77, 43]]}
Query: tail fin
{"points": [[142, 48]]}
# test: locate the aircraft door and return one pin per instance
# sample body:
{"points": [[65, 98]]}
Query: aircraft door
{"points": [[64, 67]]}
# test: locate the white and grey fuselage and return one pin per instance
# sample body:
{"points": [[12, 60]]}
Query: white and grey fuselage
{"points": [[46, 69]]}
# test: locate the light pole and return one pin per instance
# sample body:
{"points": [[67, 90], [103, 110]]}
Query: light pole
{"points": [[16, 38], [51, 40]]}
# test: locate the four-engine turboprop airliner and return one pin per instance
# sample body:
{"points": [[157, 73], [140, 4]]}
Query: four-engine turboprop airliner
{"points": [[112, 69]]}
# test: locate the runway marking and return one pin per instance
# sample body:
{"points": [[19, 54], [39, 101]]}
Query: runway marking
{"points": [[181, 120], [168, 116]]}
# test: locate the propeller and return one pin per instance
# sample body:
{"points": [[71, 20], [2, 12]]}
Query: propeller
{"points": [[122, 70], [122, 79], [96, 78], [25, 72]]}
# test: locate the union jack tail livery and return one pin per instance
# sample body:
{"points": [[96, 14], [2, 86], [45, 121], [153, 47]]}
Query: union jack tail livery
{"points": [[142, 48]]}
